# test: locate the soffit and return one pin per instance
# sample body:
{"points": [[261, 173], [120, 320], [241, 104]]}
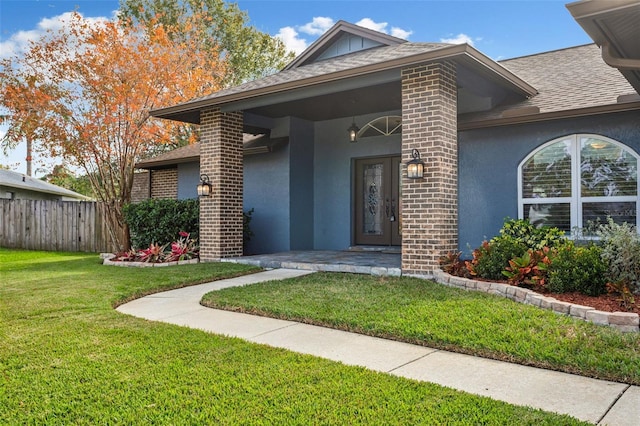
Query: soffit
{"points": [[339, 72], [614, 24]]}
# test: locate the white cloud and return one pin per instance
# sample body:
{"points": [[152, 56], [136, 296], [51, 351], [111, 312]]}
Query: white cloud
{"points": [[372, 25], [291, 40], [18, 43], [400, 33], [318, 25], [459, 39]]}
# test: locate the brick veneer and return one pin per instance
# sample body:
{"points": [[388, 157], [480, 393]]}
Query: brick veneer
{"points": [[140, 189], [221, 160], [429, 205], [164, 183]]}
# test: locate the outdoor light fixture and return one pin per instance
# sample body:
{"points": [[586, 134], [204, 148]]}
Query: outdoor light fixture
{"points": [[204, 187], [353, 132], [415, 167]]}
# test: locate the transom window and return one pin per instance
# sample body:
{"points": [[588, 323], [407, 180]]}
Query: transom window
{"points": [[578, 179]]}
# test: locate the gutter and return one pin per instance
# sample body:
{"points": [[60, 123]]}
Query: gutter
{"points": [[617, 62], [462, 52], [508, 120]]}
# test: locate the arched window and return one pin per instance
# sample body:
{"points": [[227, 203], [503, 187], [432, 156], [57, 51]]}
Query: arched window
{"points": [[577, 179]]}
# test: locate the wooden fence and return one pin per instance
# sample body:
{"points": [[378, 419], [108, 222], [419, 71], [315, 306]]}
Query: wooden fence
{"points": [[54, 226]]}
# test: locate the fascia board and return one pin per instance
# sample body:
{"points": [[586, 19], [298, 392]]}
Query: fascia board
{"points": [[462, 52]]}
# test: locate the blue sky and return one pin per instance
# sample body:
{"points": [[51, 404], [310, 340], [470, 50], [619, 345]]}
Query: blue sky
{"points": [[500, 29]]}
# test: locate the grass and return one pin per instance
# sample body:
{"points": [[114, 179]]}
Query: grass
{"points": [[66, 357], [425, 313]]}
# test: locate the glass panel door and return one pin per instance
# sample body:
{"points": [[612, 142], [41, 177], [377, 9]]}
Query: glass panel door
{"points": [[377, 201]]}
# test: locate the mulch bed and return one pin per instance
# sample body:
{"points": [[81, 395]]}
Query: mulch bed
{"points": [[605, 302]]}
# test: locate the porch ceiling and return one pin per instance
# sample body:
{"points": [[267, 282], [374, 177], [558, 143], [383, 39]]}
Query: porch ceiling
{"points": [[382, 97]]}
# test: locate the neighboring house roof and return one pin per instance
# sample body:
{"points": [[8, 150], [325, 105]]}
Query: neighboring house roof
{"points": [[615, 26], [252, 144], [17, 180], [571, 82], [343, 67]]}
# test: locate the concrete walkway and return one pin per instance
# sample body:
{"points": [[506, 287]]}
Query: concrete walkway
{"points": [[595, 401]]}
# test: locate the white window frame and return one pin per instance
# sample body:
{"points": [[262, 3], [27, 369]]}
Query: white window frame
{"points": [[576, 200]]}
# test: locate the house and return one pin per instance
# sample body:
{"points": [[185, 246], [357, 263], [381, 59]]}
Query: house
{"points": [[16, 186], [552, 137]]}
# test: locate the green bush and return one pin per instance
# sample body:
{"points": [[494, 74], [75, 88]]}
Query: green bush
{"points": [[621, 253], [532, 237], [491, 258], [160, 220], [579, 269]]}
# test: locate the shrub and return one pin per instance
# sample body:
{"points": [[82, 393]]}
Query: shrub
{"points": [[621, 253], [530, 269], [578, 269], [160, 220], [532, 237], [453, 265], [491, 258]]}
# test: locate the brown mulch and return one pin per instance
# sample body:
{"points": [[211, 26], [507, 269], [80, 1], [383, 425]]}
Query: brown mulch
{"points": [[605, 302]]}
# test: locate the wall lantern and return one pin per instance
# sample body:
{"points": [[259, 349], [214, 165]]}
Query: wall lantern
{"points": [[415, 167], [353, 132], [204, 187]]}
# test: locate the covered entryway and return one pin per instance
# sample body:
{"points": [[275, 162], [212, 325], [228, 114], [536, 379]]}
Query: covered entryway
{"points": [[377, 201]]}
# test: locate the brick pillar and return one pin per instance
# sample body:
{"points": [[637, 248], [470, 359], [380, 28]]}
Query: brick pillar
{"points": [[221, 160], [429, 205]]}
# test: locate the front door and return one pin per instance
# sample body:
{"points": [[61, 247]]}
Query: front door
{"points": [[377, 201]]}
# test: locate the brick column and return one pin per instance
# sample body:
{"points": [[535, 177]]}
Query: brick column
{"points": [[429, 205], [221, 160]]}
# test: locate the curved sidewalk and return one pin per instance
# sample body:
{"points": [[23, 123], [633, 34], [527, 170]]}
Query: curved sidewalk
{"points": [[592, 400]]}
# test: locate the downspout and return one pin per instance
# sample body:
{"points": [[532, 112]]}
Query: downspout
{"points": [[617, 62]]}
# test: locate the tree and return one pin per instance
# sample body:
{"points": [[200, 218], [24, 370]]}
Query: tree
{"points": [[85, 92], [249, 53], [64, 178]]}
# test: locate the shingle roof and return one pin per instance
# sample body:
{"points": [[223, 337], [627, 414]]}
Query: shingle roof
{"points": [[567, 79], [18, 180], [333, 65]]}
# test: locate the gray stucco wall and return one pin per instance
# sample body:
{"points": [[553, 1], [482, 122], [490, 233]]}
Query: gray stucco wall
{"points": [[489, 159], [266, 190], [301, 184], [188, 180], [333, 177]]}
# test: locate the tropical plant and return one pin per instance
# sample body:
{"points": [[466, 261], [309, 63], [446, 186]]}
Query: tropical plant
{"points": [[530, 269]]}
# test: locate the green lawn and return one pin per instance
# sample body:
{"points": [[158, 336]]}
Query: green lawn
{"points": [[66, 357], [430, 314]]}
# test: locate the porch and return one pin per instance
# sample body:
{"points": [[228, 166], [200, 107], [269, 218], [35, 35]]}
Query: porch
{"points": [[370, 262]]}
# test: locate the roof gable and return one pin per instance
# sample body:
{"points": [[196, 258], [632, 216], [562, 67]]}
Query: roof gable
{"points": [[341, 39]]}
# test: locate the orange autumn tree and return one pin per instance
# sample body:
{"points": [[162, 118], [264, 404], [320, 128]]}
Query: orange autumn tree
{"points": [[84, 93]]}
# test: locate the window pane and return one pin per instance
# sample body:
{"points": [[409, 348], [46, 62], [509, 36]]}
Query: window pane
{"points": [[606, 169], [619, 212], [558, 215], [548, 173], [372, 199]]}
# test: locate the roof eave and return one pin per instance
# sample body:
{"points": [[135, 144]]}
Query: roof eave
{"points": [[460, 52], [555, 115], [599, 19]]}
